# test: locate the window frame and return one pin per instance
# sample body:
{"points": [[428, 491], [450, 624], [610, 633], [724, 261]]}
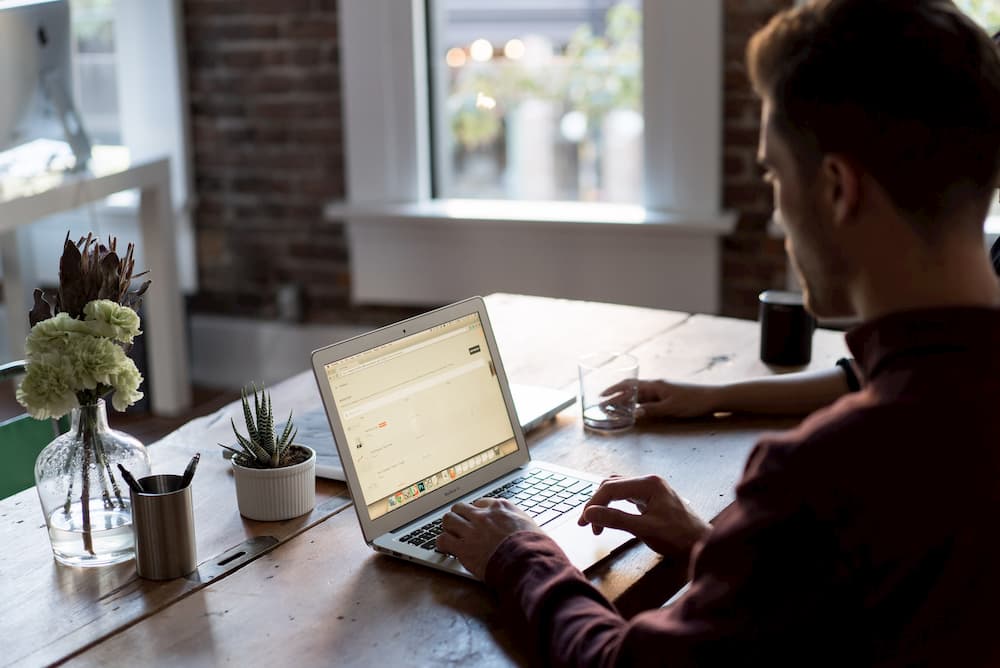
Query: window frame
{"points": [[396, 230]]}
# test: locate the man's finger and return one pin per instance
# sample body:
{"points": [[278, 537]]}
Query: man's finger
{"points": [[447, 542], [602, 517], [654, 409], [620, 489], [466, 511], [455, 524], [625, 386]]}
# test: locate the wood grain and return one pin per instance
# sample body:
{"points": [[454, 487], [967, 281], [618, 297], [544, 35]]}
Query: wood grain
{"points": [[49, 611], [323, 597]]}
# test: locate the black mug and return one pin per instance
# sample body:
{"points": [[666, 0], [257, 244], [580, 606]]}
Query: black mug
{"points": [[786, 329]]}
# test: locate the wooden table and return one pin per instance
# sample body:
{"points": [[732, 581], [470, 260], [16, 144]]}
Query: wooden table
{"points": [[321, 596]]}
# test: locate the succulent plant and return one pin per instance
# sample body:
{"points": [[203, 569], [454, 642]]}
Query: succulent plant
{"points": [[261, 448]]}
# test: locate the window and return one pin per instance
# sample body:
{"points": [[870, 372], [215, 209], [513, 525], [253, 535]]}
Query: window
{"points": [[388, 100], [538, 100], [95, 84], [411, 243]]}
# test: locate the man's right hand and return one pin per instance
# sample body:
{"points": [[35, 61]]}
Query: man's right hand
{"points": [[661, 398], [664, 522]]}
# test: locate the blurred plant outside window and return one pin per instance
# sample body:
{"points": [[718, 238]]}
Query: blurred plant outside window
{"points": [[95, 84], [538, 100]]}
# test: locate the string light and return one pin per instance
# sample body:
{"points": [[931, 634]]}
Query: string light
{"points": [[481, 50]]}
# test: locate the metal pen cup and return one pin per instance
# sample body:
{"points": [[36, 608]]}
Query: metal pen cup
{"points": [[163, 522]]}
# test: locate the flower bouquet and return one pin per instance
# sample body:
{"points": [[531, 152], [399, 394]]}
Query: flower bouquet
{"points": [[76, 355]]}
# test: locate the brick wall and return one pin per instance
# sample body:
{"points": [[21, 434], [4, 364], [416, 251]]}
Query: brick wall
{"points": [[265, 117], [268, 152], [751, 260]]}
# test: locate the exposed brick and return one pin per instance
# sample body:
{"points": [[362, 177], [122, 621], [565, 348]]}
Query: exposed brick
{"points": [[752, 260], [268, 153], [265, 117], [316, 27]]}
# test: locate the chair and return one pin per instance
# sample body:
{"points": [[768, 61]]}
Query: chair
{"points": [[21, 439]]}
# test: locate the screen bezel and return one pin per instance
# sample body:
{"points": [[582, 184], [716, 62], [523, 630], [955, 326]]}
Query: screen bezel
{"points": [[433, 500]]}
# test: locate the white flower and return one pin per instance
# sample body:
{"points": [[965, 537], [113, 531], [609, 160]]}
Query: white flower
{"points": [[52, 335], [67, 357], [125, 382], [114, 320], [46, 391]]}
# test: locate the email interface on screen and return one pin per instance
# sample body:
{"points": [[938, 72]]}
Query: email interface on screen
{"points": [[421, 412]]}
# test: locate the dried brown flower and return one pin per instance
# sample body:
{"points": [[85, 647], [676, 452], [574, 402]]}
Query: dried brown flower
{"points": [[88, 270]]}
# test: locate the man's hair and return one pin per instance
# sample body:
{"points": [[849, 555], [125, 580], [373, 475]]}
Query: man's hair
{"points": [[907, 89]]}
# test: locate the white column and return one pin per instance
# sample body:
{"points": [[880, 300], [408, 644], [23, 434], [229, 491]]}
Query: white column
{"points": [[385, 92], [163, 326], [682, 88]]}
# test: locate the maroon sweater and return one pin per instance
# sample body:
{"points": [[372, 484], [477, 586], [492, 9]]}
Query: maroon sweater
{"points": [[865, 536]]}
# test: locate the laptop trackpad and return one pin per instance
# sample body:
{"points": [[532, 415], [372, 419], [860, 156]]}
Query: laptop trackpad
{"points": [[583, 548]]}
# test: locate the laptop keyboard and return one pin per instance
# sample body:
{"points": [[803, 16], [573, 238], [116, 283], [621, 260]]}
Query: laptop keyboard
{"points": [[542, 494]]}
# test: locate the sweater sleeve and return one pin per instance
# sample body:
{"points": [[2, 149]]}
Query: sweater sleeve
{"points": [[570, 622], [748, 577]]}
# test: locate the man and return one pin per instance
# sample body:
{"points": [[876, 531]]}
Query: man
{"points": [[868, 534]]}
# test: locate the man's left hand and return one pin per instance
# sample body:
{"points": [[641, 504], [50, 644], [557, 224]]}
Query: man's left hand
{"points": [[472, 533]]}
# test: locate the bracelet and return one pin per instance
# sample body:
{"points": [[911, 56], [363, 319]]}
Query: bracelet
{"points": [[853, 383]]}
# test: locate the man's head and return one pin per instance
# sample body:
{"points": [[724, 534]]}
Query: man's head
{"points": [[874, 107]]}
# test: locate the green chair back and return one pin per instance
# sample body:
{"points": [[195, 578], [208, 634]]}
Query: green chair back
{"points": [[22, 438]]}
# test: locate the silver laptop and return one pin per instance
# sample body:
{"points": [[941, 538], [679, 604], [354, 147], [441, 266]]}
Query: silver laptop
{"points": [[535, 405], [422, 416]]}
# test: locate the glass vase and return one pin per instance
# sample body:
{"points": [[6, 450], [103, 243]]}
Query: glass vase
{"points": [[84, 499]]}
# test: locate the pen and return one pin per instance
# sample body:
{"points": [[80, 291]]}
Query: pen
{"points": [[130, 480], [189, 471]]}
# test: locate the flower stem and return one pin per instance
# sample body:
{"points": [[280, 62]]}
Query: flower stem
{"points": [[67, 471], [87, 433]]}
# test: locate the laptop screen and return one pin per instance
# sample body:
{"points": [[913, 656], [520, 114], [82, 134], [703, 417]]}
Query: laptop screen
{"points": [[421, 412]]}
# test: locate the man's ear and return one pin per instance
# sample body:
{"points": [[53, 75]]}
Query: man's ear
{"points": [[840, 187]]}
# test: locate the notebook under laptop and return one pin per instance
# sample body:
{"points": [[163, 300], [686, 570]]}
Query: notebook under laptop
{"points": [[422, 416]]}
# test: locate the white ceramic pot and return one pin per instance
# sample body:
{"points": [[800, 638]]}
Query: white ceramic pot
{"points": [[276, 494]]}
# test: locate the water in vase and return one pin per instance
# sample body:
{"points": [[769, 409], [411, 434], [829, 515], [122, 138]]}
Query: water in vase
{"points": [[112, 540]]}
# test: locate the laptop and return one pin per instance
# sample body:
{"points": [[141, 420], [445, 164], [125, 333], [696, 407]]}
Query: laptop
{"points": [[535, 405], [423, 417]]}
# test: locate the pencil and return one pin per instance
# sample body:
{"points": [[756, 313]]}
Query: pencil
{"points": [[189, 471], [130, 480]]}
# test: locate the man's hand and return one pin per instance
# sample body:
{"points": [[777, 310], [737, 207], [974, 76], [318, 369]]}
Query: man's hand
{"points": [[659, 398], [473, 533], [664, 522]]}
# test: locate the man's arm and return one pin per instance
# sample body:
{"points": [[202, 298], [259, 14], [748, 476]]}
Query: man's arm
{"points": [[755, 581], [784, 394]]}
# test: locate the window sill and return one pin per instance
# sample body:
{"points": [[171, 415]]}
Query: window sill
{"points": [[427, 253], [539, 215]]}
